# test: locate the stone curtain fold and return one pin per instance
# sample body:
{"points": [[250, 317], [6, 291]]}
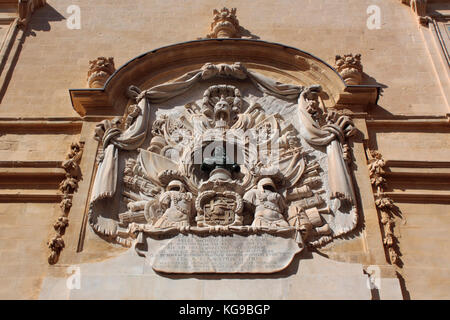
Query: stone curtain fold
{"points": [[338, 176]]}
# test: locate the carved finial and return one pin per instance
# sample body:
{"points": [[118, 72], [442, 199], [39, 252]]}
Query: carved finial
{"points": [[100, 70], [350, 68], [225, 24]]}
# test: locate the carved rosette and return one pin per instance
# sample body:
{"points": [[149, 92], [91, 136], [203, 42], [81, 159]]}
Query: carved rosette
{"points": [[67, 187], [225, 24], [100, 70], [350, 68], [387, 209]]}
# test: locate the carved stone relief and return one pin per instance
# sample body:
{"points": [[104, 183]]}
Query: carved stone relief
{"points": [[100, 70], [350, 68], [225, 24], [67, 187], [255, 162], [388, 210]]}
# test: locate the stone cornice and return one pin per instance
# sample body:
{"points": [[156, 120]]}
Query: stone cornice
{"points": [[169, 62]]}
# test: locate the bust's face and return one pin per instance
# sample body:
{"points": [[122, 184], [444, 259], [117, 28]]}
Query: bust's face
{"points": [[222, 110]]}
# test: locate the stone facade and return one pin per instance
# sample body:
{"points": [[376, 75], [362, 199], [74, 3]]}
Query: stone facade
{"points": [[61, 94]]}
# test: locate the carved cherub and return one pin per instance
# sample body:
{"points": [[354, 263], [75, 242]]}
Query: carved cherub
{"points": [[269, 205]]}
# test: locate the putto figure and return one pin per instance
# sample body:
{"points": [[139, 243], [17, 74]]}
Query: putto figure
{"points": [[269, 205], [176, 203]]}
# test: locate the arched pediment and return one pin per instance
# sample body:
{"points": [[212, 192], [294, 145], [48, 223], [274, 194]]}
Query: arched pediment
{"points": [[282, 63]]}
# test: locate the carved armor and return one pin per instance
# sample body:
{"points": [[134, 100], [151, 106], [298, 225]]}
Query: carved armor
{"points": [[269, 205], [178, 205]]}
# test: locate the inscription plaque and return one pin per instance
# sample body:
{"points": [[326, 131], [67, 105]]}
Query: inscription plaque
{"points": [[230, 254]]}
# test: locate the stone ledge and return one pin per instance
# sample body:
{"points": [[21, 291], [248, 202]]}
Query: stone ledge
{"points": [[43, 126], [29, 196], [430, 196]]}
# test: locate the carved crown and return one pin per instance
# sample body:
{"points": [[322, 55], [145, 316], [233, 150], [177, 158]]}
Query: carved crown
{"points": [[100, 70], [225, 24], [350, 68]]}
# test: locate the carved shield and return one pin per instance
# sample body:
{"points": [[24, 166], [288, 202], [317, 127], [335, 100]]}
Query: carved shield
{"points": [[218, 208], [220, 211]]}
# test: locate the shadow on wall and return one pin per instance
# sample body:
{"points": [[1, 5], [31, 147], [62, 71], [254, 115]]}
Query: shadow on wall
{"points": [[377, 110], [40, 21], [247, 34]]}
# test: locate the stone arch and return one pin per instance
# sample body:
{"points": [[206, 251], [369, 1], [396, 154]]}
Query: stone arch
{"points": [[283, 63]]}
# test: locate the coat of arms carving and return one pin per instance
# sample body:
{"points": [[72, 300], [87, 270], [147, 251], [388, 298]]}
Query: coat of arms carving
{"points": [[227, 165]]}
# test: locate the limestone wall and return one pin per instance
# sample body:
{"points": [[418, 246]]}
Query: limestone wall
{"points": [[409, 126]]}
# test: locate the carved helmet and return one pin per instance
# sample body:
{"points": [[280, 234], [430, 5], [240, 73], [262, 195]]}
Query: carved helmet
{"points": [[266, 182], [175, 184]]}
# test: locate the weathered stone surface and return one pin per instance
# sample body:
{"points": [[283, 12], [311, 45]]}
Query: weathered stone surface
{"points": [[129, 276], [221, 254], [410, 126]]}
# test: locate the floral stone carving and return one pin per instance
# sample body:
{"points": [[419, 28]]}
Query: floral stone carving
{"points": [[350, 68], [387, 209], [225, 165], [100, 70], [67, 187], [225, 24]]}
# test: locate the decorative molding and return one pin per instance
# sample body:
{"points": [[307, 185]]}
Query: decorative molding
{"points": [[110, 101], [386, 207], [42, 126], [100, 70], [12, 42], [67, 187], [225, 24], [350, 68], [419, 8]]}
